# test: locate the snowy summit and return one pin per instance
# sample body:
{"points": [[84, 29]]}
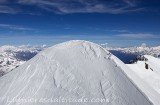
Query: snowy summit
{"points": [[69, 73]]}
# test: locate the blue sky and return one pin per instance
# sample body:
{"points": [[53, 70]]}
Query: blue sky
{"points": [[116, 22]]}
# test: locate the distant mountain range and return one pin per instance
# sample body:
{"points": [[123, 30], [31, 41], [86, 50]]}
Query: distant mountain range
{"points": [[142, 50], [12, 56]]}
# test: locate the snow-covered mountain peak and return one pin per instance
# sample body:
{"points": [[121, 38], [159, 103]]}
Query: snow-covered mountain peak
{"points": [[77, 47], [72, 70]]}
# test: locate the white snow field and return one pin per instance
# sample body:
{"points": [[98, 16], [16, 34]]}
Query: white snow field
{"points": [[152, 75], [72, 71]]}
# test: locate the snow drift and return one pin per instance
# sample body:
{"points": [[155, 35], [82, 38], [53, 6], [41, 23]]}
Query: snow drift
{"points": [[72, 70]]}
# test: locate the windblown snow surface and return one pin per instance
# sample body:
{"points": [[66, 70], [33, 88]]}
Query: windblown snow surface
{"points": [[69, 72]]}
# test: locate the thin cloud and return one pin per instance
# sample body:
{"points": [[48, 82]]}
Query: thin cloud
{"points": [[139, 35], [3, 1], [83, 6], [121, 31], [54, 37], [15, 27], [7, 9], [132, 3]]}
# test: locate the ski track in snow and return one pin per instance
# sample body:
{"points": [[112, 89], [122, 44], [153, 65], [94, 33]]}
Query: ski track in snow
{"points": [[13, 83], [25, 85], [40, 85]]}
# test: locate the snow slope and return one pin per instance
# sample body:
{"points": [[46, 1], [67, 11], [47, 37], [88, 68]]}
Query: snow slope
{"points": [[152, 78], [154, 63], [75, 70], [135, 78]]}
